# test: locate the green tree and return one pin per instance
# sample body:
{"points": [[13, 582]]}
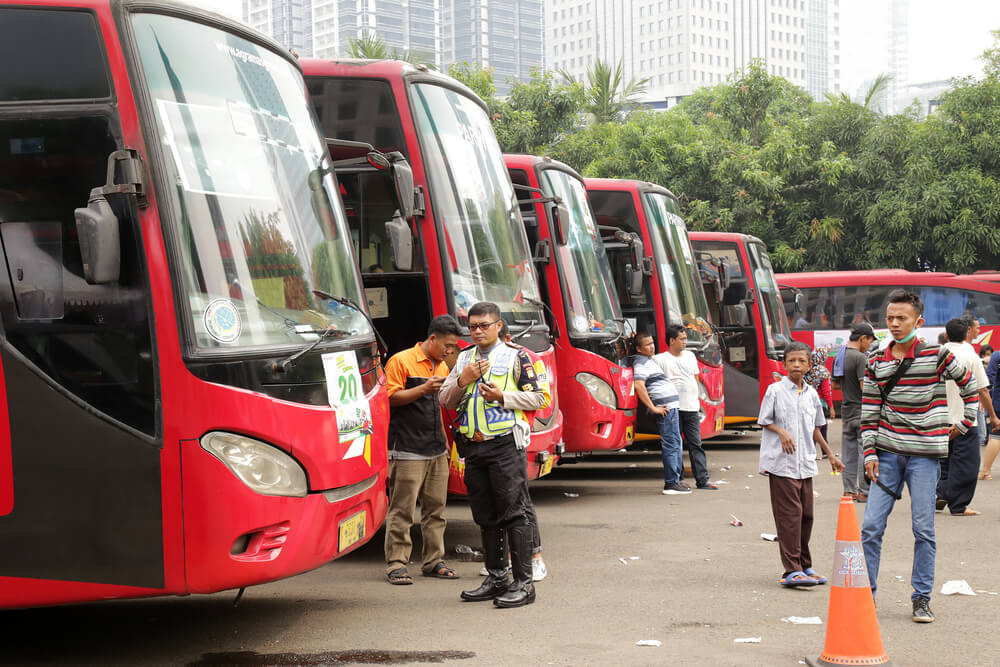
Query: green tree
{"points": [[371, 46], [608, 96]]}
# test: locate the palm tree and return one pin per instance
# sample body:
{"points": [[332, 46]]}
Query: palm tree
{"points": [[372, 47], [608, 96]]}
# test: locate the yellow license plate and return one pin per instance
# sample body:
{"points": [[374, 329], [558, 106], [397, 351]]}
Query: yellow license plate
{"points": [[546, 467], [718, 424], [629, 435], [352, 530]]}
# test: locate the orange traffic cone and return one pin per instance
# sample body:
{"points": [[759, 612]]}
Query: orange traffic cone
{"points": [[852, 634]]}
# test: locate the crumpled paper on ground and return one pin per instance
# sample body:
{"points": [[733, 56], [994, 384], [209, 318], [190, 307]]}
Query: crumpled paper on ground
{"points": [[957, 587], [803, 620]]}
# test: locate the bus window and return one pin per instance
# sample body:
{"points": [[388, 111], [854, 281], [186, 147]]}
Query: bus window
{"points": [[358, 110], [773, 315]]}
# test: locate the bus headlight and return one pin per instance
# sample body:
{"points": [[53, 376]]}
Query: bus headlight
{"points": [[599, 389], [703, 393], [262, 467]]}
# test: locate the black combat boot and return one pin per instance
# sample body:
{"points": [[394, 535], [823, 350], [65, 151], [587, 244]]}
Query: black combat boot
{"points": [[496, 582], [522, 591]]}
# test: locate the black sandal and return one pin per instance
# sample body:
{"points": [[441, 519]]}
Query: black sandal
{"points": [[399, 577], [441, 571]]}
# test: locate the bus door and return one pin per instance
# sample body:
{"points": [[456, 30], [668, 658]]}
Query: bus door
{"points": [[395, 276], [80, 455]]}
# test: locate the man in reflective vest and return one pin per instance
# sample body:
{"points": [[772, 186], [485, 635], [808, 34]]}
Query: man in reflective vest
{"points": [[491, 387]]}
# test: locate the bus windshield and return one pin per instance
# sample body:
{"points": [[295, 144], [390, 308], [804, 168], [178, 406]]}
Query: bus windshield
{"points": [[680, 280], [776, 333], [588, 290], [259, 222], [484, 240]]}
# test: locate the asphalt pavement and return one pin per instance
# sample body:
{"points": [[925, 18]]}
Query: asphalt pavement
{"points": [[625, 564]]}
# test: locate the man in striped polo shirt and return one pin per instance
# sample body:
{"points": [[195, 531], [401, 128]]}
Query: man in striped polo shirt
{"points": [[904, 433]]}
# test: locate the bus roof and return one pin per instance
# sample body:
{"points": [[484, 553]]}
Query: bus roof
{"points": [[526, 161], [980, 282], [626, 185], [384, 69], [734, 237]]}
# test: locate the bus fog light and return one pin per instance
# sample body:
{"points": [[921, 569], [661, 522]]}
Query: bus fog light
{"points": [[262, 467], [599, 389]]}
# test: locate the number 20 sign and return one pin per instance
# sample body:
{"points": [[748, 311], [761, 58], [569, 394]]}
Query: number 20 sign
{"points": [[343, 380]]}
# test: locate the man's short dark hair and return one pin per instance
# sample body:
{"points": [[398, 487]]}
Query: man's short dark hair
{"points": [[862, 329], [942, 338], [637, 337], [797, 346], [444, 325], [485, 308], [906, 296], [673, 331], [957, 329]]}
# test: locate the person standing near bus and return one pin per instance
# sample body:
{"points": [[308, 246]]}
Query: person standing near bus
{"points": [[418, 452], [986, 411], [904, 430], [658, 394], [855, 360], [959, 470], [993, 445], [681, 367], [491, 387]]}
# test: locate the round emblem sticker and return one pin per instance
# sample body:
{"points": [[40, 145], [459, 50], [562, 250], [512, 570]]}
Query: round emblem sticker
{"points": [[222, 321]]}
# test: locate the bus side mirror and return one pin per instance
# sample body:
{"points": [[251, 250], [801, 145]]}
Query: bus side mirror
{"points": [[401, 241], [633, 279], [560, 219], [100, 246], [402, 179], [320, 200]]}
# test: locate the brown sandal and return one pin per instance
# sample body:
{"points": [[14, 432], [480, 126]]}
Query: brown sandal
{"points": [[441, 571], [399, 577], [985, 474]]}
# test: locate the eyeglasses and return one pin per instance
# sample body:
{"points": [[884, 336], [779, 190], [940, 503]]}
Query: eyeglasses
{"points": [[483, 326]]}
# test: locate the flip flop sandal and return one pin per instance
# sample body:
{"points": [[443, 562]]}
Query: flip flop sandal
{"points": [[815, 576], [985, 475], [967, 512], [794, 579], [399, 577], [441, 571]]}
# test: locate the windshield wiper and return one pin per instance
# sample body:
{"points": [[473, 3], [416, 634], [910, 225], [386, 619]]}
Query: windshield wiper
{"points": [[345, 301], [545, 307], [283, 365]]}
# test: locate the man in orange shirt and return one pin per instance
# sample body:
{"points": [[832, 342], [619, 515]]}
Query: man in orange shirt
{"points": [[418, 458]]}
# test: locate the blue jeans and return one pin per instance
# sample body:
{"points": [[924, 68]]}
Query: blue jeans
{"points": [[671, 449], [690, 426], [920, 474]]}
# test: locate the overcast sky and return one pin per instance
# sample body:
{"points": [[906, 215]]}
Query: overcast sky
{"points": [[946, 38]]}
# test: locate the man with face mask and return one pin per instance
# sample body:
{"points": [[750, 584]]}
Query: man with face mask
{"points": [[904, 432]]}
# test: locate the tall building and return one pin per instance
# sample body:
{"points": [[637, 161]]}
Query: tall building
{"points": [[503, 34], [681, 45], [289, 22], [407, 25], [899, 54]]}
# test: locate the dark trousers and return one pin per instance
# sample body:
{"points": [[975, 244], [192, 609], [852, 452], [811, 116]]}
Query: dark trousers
{"points": [[960, 471], [691, 430], [792, 506], [496, 478]]}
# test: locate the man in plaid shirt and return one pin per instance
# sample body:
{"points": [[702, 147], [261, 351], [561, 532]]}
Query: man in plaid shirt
{"points": [[904, 433]]}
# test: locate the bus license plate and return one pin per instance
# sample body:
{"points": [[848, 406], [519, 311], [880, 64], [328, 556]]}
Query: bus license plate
{"points": [[629, 435], [352, 530], [546, 467], [718, 424]]}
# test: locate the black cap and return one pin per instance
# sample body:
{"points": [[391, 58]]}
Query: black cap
{"points": [[862, 329]]}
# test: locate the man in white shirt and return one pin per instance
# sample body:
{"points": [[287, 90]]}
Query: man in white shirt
{"points": [[681, 368], [960, 471]]}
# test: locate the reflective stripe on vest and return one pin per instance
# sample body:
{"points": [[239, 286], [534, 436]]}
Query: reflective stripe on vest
{"points": [[490, 419]]}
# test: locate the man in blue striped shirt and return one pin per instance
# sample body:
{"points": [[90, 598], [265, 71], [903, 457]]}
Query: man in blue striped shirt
{"points": [[904, 433], [655, 391]]}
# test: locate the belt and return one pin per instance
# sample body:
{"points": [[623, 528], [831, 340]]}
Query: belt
{"points": [[479, 437]]}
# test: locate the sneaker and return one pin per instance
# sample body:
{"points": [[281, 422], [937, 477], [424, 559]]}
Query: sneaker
{"points": [[675, 490], [538, 569], [922, 611], [708, 486]]}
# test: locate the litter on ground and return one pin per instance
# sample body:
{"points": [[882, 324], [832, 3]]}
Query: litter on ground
{"points": [[571, 495], [648, 642], [957, 587], [770, 537], [747, 640], [803, 620]]}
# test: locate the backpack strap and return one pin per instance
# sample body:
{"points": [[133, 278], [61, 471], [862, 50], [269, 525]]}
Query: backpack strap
{"points": [[904, 364]]}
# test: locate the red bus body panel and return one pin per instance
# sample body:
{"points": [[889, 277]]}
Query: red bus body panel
{"points": [[204, 506]]}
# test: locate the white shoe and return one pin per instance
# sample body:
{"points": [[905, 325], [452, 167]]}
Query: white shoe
{"points": [[538, 569]]}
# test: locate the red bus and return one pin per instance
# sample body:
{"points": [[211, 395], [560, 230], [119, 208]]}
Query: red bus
{"points": [[751, 319], [466, 242], [663, 289], [828, 302], [596, 395], [167, 373]]}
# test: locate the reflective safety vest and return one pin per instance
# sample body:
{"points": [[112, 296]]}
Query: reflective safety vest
{"points": [[479, 415]]}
